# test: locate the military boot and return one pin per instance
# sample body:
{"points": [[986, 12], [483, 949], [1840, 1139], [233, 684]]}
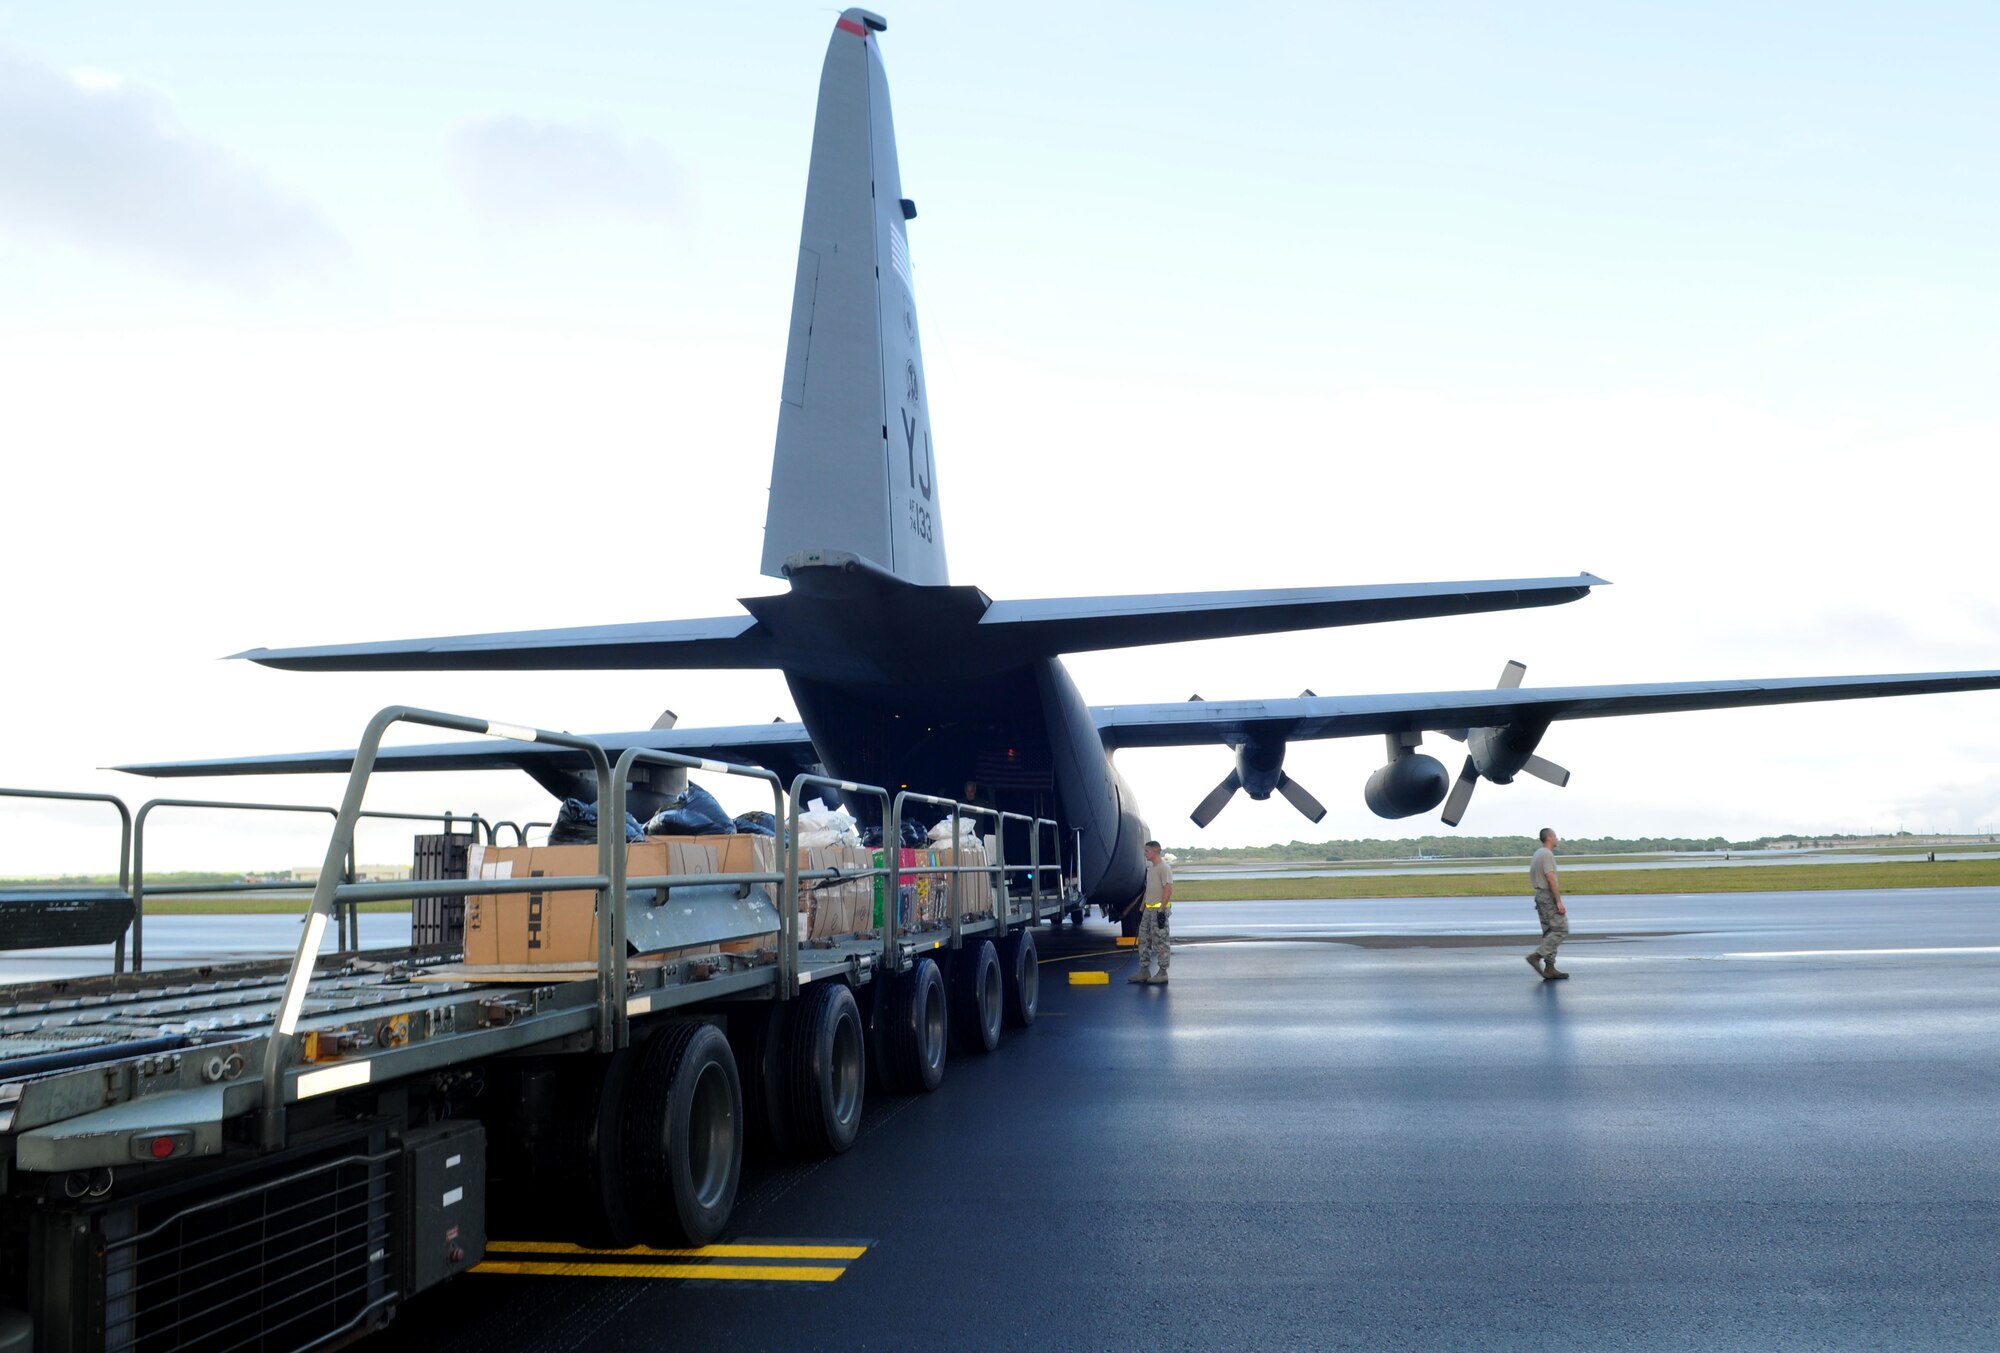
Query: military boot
{"points": [[1139, 978], [1551, 973], [1535, 962]]}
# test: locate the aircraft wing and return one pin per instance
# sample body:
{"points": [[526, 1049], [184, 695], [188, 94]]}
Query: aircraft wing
{"points": [[1080, 624], [779, 746], [722, 642], [1202, 722]]}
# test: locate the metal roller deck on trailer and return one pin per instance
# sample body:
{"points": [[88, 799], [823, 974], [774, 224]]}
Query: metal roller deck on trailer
{"points": [[272, 1155]]}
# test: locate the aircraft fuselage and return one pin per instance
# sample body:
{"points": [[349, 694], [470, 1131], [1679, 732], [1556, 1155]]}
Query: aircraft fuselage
{"points": [[896, 688]]}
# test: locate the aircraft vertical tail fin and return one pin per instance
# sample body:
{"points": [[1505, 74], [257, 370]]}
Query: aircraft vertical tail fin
{"points": [[853, 470]]}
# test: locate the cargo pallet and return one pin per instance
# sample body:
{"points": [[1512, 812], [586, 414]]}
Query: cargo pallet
{"points": [[270, 1155]]}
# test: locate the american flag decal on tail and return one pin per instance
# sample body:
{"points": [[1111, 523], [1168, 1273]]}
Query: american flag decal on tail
{"points": [[899, 256]]}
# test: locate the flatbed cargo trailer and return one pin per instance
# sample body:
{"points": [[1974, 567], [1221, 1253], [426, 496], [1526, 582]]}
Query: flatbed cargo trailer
{"points": [[276, 1155]]}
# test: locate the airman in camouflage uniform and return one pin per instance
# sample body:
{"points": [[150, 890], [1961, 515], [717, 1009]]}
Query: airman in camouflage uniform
{"points": [[1549, 909], [1156, 903]]}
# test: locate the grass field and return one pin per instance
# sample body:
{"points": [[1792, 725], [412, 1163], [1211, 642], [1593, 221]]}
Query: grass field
{"points": [[1454, 883], [1446, 882], [239, 904]]}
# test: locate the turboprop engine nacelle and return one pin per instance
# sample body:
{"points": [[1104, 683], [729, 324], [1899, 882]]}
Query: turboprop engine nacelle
{"points": [[1411, 783], [1260, 771], [1499, 754]]}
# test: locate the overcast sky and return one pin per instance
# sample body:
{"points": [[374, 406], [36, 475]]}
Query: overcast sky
{"points": [[322, 323]]}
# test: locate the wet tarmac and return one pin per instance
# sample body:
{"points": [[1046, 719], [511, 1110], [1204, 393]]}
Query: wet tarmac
{"points": [[1759, 1121]]}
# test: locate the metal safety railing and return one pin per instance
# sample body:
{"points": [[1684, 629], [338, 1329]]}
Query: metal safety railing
{"points": [[890, 870], [124, 839], [348, 933], [336, 889], [329, 891], [960, 810], [1034, 869], [611, 936], [71, 796]]}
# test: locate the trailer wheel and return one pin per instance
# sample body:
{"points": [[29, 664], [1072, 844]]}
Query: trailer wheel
{"points": [[684, 1135], [587, 1179], [757, 1035], [823, 1066], [914, 1020], [977, 998], [1021, 971]]}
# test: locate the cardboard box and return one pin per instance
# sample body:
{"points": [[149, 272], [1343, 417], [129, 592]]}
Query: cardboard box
{"points": [[560, 926], [738, 853], [841, 908], [975, 890]]}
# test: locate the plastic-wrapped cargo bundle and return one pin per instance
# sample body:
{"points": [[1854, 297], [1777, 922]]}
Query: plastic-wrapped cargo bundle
{"points": [[576, 825], [827, 827], [694, 812]]}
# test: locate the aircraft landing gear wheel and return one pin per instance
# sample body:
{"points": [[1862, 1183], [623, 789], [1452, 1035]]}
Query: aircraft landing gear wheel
{"points": [[683, 1136], [912, 1020], [977, 997], [1020, 978], [822, 1066]]}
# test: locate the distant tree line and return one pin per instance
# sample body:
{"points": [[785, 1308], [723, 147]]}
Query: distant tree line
{"points": [[1473, 847], [111, 880]]}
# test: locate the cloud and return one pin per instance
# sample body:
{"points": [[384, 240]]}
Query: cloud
{"points": [[528, 172], [104, 163]]}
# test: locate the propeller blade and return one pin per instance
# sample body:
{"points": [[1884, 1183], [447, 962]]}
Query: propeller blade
{"points": [[1511, 674], [1218, 799], [1461, 794], [1543, 769], [1302, 799]]}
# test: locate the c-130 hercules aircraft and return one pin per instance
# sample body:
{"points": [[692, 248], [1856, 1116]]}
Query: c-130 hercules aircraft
{"points": [[903, 679]]}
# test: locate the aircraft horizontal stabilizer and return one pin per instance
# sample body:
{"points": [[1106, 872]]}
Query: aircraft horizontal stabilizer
{"points": [[780, 746], [1058, 625], [724, 642], [1192, 723]]}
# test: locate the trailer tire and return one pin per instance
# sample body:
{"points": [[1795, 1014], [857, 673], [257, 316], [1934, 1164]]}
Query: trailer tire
{"points": [[587, 1179], [1021, 971], [914, 1023], [977, 998], [758, 1036], [683, 1135], [823, 1065]]}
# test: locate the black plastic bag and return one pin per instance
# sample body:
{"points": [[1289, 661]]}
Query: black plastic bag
{"points": [[576, 825], [759, 823], [693, 813], [914, 835]]}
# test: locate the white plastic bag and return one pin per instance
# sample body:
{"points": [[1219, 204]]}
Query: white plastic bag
{"points": [[968, 831], [836, 825]]}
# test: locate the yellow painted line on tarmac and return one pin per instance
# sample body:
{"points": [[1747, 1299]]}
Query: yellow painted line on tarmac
{"points": [[1090, 979], [763, 1273], [718, 1263], [705, 1252]]}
